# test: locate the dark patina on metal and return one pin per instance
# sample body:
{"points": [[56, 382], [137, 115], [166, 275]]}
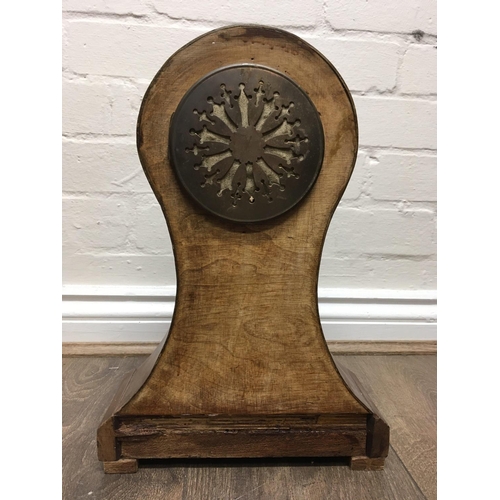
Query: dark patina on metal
{"points": [[246, 143]]}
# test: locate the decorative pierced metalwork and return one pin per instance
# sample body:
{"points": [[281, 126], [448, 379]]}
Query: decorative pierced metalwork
{"points": [[246, 143]]}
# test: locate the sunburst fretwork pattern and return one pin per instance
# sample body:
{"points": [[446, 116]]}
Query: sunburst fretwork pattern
{"points": [[250, 139], [249, 142]]}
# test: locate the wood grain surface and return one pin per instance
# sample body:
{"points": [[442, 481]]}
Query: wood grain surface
{"points": [[245, 337], [403, 388]]}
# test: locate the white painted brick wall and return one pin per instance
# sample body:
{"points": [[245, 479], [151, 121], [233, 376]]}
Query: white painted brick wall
{"points": [[282, 13], [384, 232], [409, 177], [388, 232], [418, 73], [101, 166], [391, 16], [100, 108], [131, 7], [96, 224], [396, 122], [364, 65], [138, 51], [381, 272], [122, 49], [126, 269]]}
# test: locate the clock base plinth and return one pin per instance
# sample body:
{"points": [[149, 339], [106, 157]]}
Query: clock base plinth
{"points": [[123, 439], [172, 438]]}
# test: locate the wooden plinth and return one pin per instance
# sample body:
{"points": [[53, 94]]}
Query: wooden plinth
{"points": [[245, 370]]}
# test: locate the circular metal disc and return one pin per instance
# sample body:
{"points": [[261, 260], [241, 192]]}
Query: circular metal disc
{"points": [[246, 143]]}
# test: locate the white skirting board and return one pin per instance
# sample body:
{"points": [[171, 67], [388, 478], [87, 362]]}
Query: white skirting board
{"points": [[143, 314]]}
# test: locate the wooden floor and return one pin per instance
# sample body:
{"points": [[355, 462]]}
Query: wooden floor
{"points": [[402, 387]]}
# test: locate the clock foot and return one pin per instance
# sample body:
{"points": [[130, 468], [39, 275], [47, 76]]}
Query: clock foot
{"points": [[366, 463], [122, 466]]}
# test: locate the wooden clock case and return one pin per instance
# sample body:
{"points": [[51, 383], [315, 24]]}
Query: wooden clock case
{"points": [[245, 370]]}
